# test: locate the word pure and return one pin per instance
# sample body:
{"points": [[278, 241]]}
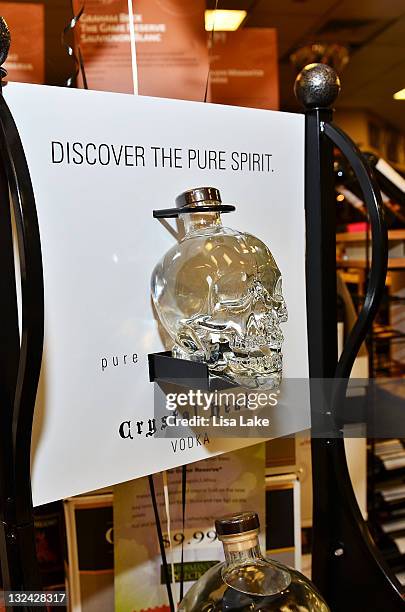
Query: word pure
{"points": [[115, 361]]}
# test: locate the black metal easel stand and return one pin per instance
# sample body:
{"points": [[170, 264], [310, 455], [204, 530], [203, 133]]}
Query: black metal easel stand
{"points": [[20, 357], [346, 565]]}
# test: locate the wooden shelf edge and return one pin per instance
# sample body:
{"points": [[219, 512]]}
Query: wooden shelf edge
{"points": [[394, 263], [398, 234]]}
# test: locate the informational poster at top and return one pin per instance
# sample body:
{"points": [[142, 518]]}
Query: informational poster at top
{"points": [[173, 64], [232, 482], [244, 68], [26, 60], [171, 49]]}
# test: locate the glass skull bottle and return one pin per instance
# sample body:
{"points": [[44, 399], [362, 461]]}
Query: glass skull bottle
{"points": [[246, 581], [218, 293]]}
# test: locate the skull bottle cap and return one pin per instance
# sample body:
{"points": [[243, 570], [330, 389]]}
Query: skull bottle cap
{"points": [[198, 197]]}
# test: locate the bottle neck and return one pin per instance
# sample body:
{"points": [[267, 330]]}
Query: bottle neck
{"points": [[198, 221], [241, 548]]}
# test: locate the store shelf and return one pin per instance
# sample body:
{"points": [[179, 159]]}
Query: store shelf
{"points": [[390, 368], [386, 332], [360, 237], [394, 263], [385, 344], [358, 298], [387, 500]]}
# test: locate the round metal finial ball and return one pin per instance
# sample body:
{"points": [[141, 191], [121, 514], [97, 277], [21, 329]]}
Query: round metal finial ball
{"points": [[317, 86], [5, 39]]}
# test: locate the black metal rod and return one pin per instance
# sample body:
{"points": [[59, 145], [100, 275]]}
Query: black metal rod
{"points": [[9, 357], [166, 571], [20, 524], [32, 301], [322, 328], [379, 248], [183, 508], [320, 213], [19, 378]]}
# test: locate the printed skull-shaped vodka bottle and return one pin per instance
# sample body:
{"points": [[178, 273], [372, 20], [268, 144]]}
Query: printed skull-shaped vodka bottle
{"points": [[218, 294]]}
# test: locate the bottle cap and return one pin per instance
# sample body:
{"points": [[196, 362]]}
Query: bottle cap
{"points": [[198, 196], [198, 200], [237, 523]]}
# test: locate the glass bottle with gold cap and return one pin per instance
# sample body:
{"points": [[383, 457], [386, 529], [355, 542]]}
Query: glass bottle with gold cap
{"points": [[218, 294], [248, 582]]}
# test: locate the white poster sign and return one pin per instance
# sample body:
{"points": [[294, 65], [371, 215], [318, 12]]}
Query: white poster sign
{"points": [[99, 163]]}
